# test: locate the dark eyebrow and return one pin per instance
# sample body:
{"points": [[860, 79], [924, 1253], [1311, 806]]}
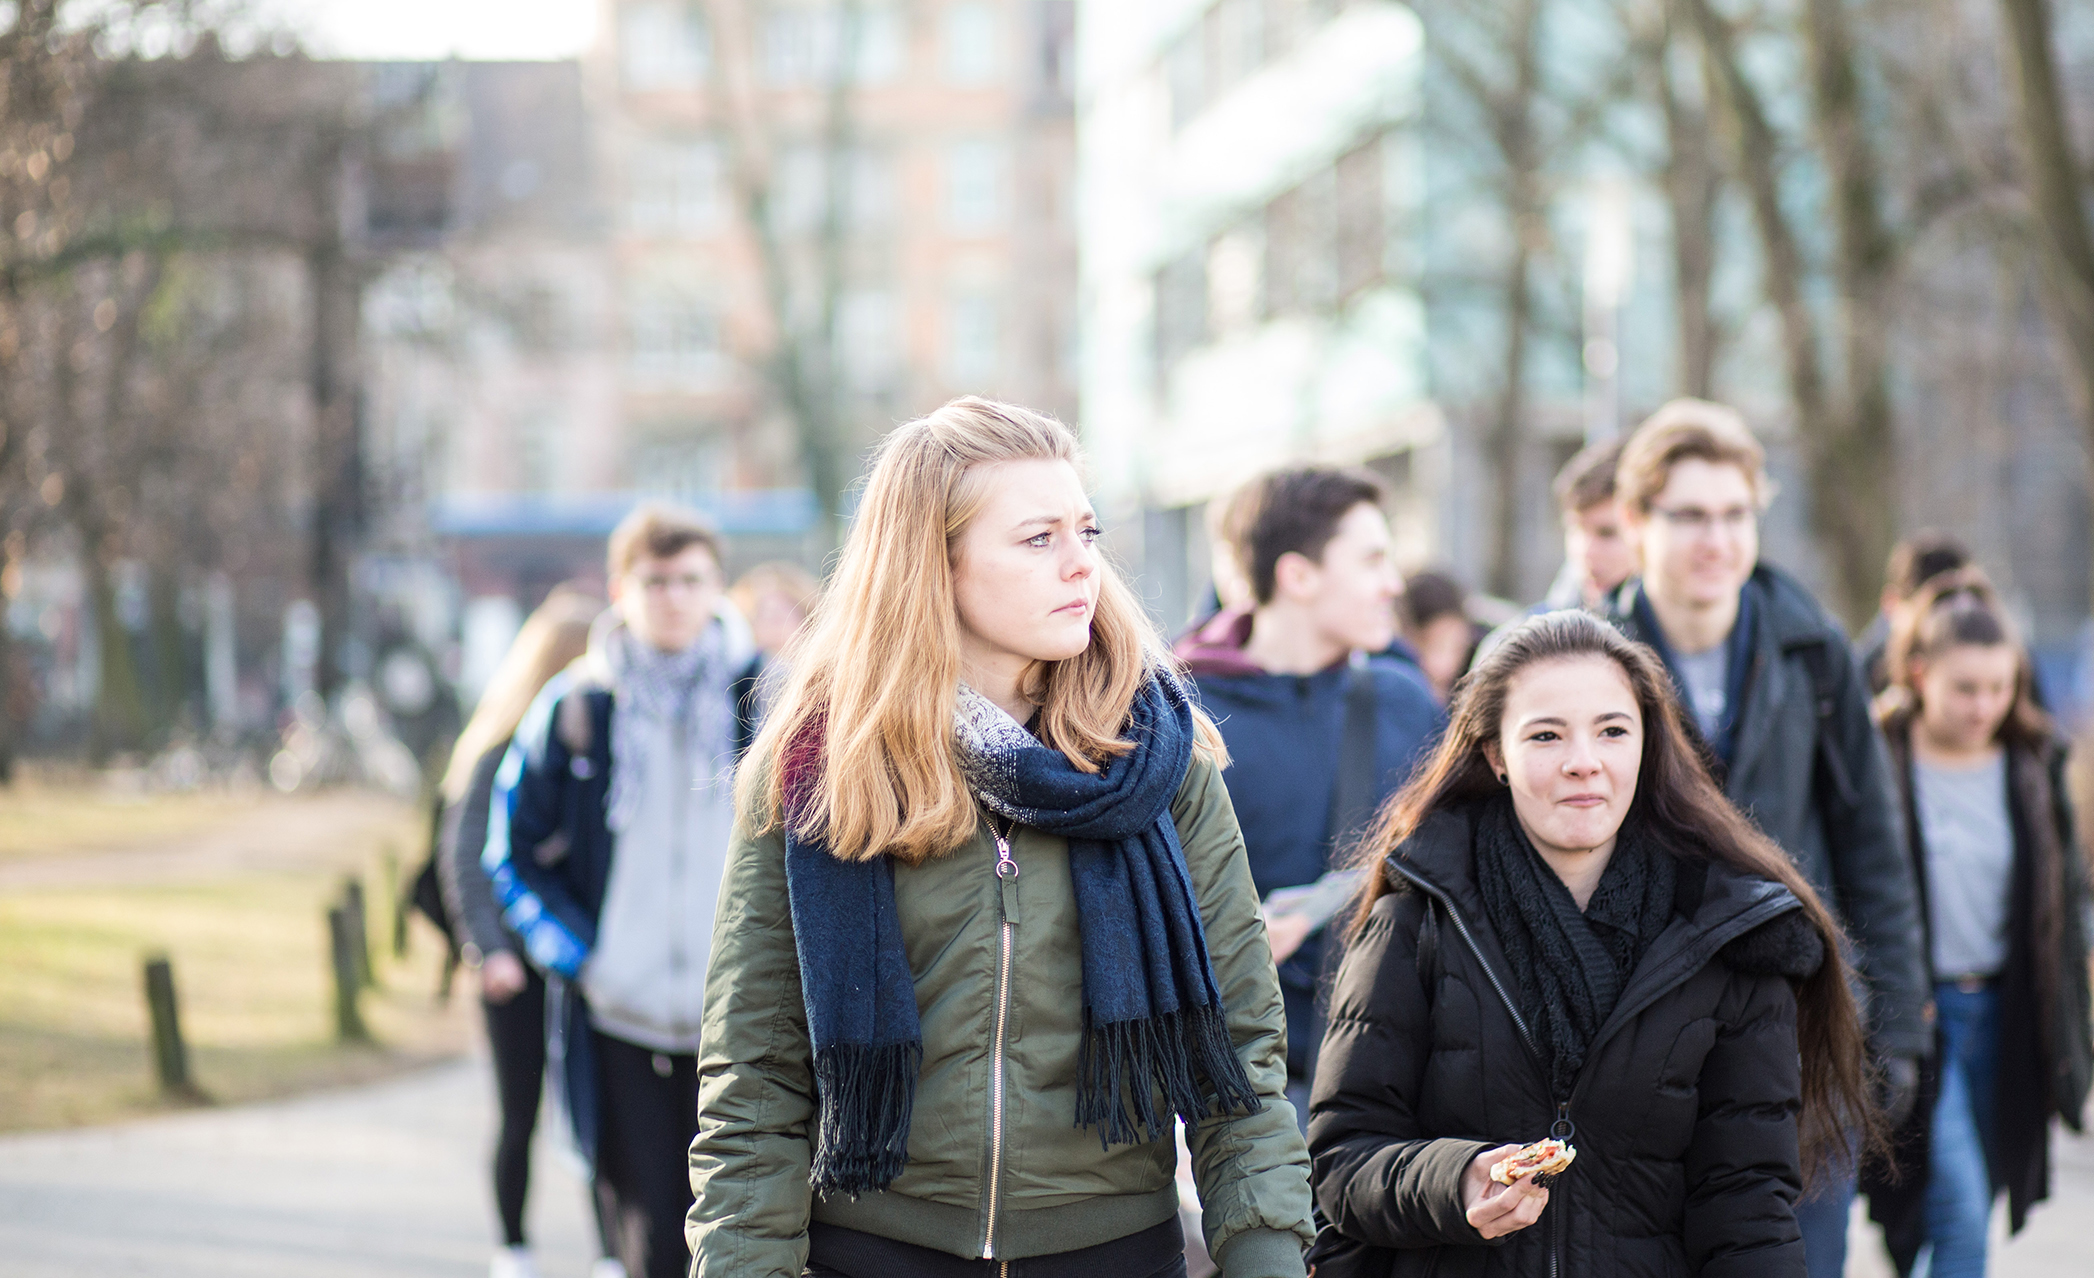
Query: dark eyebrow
{"points": [[1561, 723], [1614, 714]]}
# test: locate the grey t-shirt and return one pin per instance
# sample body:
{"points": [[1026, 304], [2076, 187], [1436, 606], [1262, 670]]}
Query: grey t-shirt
{"points": [[1969, 837], [1706, 676]]}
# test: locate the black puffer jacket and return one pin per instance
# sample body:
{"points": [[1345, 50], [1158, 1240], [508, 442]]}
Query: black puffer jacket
{"points": [[1684, 1114]]}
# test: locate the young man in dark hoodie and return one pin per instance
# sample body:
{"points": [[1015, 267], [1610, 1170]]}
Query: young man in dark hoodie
{"points": [[1319, 732], [1767, 678]]}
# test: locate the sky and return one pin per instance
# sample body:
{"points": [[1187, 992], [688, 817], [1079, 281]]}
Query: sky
{"points": [[426, 29]]}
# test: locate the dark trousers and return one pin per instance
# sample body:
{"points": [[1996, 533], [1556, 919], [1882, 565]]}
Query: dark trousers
{"points": [[648, 1103], [516, 1041], [1156, 1252]]}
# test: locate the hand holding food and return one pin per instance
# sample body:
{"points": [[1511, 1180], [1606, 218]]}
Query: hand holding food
{"points": [[1542, 1158]]}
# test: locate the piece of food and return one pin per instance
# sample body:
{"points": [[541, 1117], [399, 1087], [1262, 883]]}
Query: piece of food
{"points": [[1542, 1158]]}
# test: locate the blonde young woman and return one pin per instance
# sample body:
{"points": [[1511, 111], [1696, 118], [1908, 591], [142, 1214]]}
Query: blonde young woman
{"points": [[987, 928], [512, 995]]}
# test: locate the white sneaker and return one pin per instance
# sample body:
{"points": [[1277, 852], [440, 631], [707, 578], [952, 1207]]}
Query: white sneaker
{"points": [[513, 1262], [608, 1267]]}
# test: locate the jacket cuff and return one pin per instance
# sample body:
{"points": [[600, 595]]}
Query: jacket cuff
{"points": [[1262, 1253]]}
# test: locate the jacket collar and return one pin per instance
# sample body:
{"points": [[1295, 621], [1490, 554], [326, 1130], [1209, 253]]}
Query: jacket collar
{"points": [[1439, 859]]}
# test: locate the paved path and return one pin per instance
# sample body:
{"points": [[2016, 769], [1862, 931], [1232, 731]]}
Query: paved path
{"points": [[330, 830], [387, 1181], [2059, 1239]]}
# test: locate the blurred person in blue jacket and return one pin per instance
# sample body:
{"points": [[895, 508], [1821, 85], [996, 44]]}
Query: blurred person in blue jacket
{"points": [[1319, 731], [607, 834]]}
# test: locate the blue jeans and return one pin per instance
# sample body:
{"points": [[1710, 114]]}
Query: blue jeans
{"points": [[1822, 1215], [1959, 1180]]}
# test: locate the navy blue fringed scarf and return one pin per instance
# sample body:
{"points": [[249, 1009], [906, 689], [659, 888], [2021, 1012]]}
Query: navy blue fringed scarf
{"points": [[1153, 1024]]}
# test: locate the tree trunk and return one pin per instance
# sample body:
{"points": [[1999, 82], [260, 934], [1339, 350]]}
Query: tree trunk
{"points": [[2057, 194], [1852, 505], [1517, 141], [120, 719], [1753, 150], [1692, 186], [337, 459]]}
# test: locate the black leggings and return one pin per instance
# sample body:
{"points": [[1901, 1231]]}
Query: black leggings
{"points": [[648, 1102], [516, 1040]]}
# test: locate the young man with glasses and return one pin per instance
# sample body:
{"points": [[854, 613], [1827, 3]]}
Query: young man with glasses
{"points": [[606, 839], [1770, 684]]}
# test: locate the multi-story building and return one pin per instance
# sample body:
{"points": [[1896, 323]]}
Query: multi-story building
{"points": [[1251, 181], [941, 133]]}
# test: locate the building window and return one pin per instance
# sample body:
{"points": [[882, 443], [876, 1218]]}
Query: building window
{"points": [[970, 36], [537, 453], [677, 462], [1362, 236], [675, 189], [971, 342], [801, 45], [663, 45], [673, 337], [974, 186], [800, 181], [1181, 308], [867, 336]]}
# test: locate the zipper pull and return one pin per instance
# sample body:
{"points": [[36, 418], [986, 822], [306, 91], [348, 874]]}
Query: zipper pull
{"points": [[1563, 1128], [1006, 878]]}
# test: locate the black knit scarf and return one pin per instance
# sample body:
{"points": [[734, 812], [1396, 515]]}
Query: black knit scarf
{"points": [[1568, 967]]}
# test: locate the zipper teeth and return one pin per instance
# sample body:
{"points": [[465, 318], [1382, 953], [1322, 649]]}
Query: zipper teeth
{"points": [[1003, 1007]]}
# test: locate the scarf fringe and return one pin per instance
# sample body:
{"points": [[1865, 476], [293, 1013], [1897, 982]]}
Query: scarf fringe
{"points": [[866, 1092], [1185, 1057]]}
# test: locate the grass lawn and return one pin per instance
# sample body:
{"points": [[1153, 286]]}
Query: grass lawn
{"points": [[255, 991], [45, 817]]}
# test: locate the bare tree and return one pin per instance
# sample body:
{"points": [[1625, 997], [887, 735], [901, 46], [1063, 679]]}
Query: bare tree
{"points": [[802, 284], [1843, 424], [2056, 183]]}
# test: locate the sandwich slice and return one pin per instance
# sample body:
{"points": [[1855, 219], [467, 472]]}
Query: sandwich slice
{"points": [[1542, 1158]]}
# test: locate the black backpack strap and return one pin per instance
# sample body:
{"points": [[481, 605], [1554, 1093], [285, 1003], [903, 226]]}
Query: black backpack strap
{"points": [[1824, 691], [1353, 797]]}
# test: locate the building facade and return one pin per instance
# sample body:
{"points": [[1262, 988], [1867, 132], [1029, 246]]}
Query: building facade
{"points": [[1252, 180]]}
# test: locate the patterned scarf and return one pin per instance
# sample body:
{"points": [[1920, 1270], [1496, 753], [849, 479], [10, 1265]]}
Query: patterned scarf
{"points": [[1154, 1029]]}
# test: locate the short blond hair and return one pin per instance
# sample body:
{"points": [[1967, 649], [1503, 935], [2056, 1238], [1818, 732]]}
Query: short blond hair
{"points": [[659, 531], [1684, 429]]}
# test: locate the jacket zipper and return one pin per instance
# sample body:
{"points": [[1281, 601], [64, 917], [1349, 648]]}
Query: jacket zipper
{"points": [[1563, 1122], [1007, 878]]}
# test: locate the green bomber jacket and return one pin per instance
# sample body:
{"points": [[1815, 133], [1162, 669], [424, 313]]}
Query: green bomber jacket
{"points": [[1016, 1180]]}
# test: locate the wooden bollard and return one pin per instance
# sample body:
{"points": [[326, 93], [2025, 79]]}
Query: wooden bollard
{"points": [[170, 1054], [396, 898], [359, 929], [348, 1021]]}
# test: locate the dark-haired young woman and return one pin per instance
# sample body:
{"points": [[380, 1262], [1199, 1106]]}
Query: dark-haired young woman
{"points": [[1983, 777], [1571, 933]]}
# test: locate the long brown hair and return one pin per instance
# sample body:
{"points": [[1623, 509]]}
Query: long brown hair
{"points": [[878, 670], [555, 633], [1684, 810], [1958, 609]]}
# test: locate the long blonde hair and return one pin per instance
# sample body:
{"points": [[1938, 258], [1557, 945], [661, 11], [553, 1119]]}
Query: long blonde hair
{"points": [[877, 676], [556, 632]]}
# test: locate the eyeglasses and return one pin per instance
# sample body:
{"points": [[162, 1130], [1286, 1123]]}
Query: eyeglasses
{"points": [[662, 583], [1696, 521]]}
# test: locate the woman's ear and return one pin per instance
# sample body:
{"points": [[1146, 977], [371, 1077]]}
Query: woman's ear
{"points": [[1494, 755]]}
